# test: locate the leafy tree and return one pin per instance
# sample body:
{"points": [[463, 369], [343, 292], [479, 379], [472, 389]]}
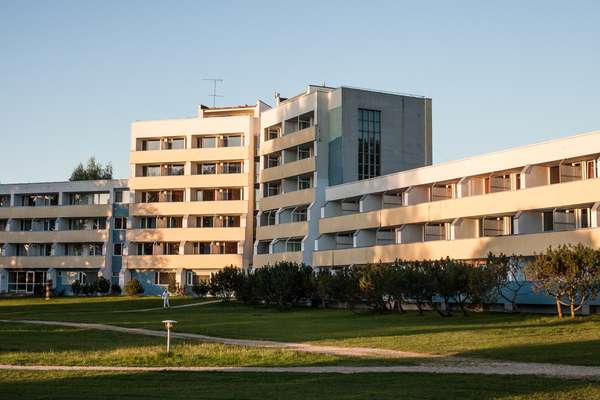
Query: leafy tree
{"points": [[372, 281], [201, 289], [283, 284], [226, 282], [344, 287], [509, 277], [76, 288], [133, 288], [93, 170], [420, 283], [569, 273], [103, 285], [322, 286], [115, 288]]}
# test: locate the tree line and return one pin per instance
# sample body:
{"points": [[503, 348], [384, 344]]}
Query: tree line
{"points": [[568, 273]]}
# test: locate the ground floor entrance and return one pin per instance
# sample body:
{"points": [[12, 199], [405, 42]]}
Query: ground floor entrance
{"points": [[25, 281]]}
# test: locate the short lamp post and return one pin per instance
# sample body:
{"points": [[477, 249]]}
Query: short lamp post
{"points": [[169, 323]]}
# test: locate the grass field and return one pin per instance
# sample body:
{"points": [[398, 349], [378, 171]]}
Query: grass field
{"points": [[499, 336], [212, 386]]}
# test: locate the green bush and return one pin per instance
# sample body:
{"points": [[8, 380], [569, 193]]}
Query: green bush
{"points": [[39, 290], [133, 288], [226, 282], [115, 288], [103, 285], [76, 288], [201, 288]]}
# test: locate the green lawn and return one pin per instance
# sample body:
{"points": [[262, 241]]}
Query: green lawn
{"points": [[499, 336], [25, 344], [212, 386]]}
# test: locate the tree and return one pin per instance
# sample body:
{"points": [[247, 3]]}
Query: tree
{"points": [[344, 287], [93, 170], [201, 288], [509, 277], [420, 282], [133, 288], [226, 282], [103, 285], [283, 284], [569, 273], [372, 281]]}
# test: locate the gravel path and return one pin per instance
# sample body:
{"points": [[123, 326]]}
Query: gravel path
{"points": [[485, 368], [428, 364]]}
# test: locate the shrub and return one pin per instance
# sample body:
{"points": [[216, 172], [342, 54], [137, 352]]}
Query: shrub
{"points": [[103, 285], [201, 288], [133, 288], [76, 288], [89, 288], [39, 290], [226, 282], [283, 284], [115, 288]]}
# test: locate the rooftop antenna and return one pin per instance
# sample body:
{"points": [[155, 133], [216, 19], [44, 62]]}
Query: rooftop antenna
{"points": [[214, 94]]}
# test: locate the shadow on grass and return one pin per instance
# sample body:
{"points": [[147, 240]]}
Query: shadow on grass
{"points": [[169, 386]]}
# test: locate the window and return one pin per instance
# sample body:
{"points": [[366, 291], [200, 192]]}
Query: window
{"points": [[148, 223], [207, 142], [171, 248], [118, 249], [149, 197], [120, 223], [202, 248], [175, 169], [294, 245], [232, 141], [48, 224], [74, 249], [555, 174], [303, 152], [272, 189], [231, 194], [3, 223], [585, 218], [232, 167], [144, 249], [231, 221], [164, 278], [119, 196], [193, 278], [205, 195], [76, 224], [174, 222], [151, 170], [548, 221], [299, 215], [304, 182], [369, 143], [151, 144], [268, 217], [175, 143], [591, 169], [207, 169], [272, 132], [25, 225], [174, 196], [273, 160], [205, 221], [5, 201], [227, 247], [95, 249]]}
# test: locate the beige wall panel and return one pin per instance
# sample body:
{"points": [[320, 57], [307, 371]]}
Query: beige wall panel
{"points": [[102, 210], [188, 181], [185, 234], [293, 229], [261, 260], [476, 248], [305, 196], [168, 156], [190, 208], [289, 140], [195, 262], [53, 262], [290, 169], [54, 236]]}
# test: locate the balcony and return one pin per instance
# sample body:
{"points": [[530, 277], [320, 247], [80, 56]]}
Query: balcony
{"points": [[54, 236], [499, 203], [190, 208], [288, 140], [186, 234], [305, 196], [186, 181], [78, 262], [467, 249], [261, 260], [76, 211], [292, 229], [293, 168], [202, 154], [210, 262]]}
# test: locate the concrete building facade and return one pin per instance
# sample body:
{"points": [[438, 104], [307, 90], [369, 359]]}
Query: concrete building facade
{"points": [[60, 231]]}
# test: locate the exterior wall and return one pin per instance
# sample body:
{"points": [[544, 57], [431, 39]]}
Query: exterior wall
{"points": [[217, 123], [58, 266]]}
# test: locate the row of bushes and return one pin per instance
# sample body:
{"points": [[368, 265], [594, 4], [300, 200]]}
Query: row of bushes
{"points": [[438, 284], [101, 286]]}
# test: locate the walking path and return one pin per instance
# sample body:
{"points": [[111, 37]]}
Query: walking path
{"points": [[203, 303], [484, 368], [429, 363]]}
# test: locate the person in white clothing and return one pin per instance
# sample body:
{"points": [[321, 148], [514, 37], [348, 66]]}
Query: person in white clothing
{"points": [[165, 297]]}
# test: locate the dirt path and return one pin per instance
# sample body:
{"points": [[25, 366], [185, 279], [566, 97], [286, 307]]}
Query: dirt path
{"points": [[428, 364], [485, 368]]}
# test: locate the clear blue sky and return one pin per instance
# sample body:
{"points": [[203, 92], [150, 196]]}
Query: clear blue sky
{"points": [[75, 74]]}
